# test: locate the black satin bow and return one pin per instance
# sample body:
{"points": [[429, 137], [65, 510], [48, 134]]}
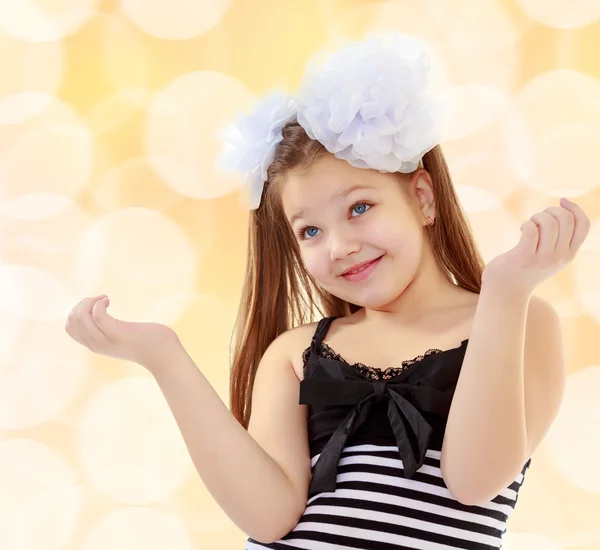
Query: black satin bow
{"points": [[411, 431]]}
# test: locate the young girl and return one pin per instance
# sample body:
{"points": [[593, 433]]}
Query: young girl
{"points": [[406, 416]]}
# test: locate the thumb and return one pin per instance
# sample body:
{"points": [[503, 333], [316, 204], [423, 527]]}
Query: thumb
{"points": [[99, 314], [530, 235]]}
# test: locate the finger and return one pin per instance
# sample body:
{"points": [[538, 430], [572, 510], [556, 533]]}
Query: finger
{"points": [[75, 332], [85, 326], [530, 237], [101, 318], [107, 324], [566, 224], [85, 305], [548, 229], [73, 324], [582, 225]]}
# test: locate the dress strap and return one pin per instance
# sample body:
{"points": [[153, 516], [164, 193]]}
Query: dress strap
{"points": [[320, 333]]}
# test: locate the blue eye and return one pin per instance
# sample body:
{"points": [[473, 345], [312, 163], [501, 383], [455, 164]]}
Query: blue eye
{"points": [[363, 205], [308, 232], [302, 232]]}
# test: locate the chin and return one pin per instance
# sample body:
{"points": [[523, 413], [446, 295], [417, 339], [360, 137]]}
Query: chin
{"points": [[369, 299], [375, 304]]}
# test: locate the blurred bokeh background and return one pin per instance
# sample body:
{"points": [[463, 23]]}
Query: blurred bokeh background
{"points": [[109, 113]]}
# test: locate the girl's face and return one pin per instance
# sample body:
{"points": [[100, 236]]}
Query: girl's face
{"points": [[359, 235]]}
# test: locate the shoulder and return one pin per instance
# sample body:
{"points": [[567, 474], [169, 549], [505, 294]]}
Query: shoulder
{"points": [[293, 342]]}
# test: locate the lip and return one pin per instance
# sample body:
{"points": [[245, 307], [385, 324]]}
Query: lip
{"points": [[367, 268]]}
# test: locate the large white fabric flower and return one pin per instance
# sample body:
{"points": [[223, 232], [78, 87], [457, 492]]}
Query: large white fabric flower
{"points": [[368, 103], [250, 143]]}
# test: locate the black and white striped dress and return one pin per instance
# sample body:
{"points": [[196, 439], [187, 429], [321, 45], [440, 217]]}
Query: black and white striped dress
{"points": [[375, 439]]}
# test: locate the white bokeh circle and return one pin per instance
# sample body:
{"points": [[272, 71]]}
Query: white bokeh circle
{"points": [[485, 157], [53, 152], [470, 51], [138, 528], [144, 245], [573, 439], [124, 54], [36, 72], [46, 226], [129, 445], [31, 293], [476, 199], [41, 372], [528, 541], [562, 15], [135, 182], [184, 121], [561, 110], [558, 97], [587, 273], [485, 224], [40, 499], [118, 109], [35, 206], [565, 160], [205, 331], [44, 20], [132, 254], [486, 23], [175, 19], [470, 109]]}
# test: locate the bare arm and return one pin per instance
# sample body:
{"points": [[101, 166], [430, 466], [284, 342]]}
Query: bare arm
{"points": [[508, 394], [264, 493]]}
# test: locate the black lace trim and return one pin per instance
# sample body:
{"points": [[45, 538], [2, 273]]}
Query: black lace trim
{"points": [[367, 371]]}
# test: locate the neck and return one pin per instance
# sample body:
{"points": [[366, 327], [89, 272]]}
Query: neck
{"points": [[429, 291]]}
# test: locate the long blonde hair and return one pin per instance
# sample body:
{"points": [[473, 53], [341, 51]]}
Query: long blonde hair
{"points": [[279, 293]]}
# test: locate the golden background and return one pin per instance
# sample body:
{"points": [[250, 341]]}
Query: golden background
{"points": [[108, 119]]}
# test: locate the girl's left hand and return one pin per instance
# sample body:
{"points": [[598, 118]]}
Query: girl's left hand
{"points": [[549, 242]]}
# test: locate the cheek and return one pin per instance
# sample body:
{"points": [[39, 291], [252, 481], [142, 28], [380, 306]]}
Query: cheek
{"points": [[385, 236], [382, 225], [314, 263], [392, 231]]}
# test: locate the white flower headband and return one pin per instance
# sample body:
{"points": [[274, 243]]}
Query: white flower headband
{"points": [[367, 104]]}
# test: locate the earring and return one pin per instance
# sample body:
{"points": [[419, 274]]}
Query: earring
{"points": [[430, 220]]}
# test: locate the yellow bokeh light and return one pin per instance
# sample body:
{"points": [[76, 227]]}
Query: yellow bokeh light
{"points": [[132, 252], [114, 112], [129, 444], [46, 356], [128, 528], [528, 541], [52, 153], [40, 500], [175, 19], [562, 15], [572, 441], [36, 73], [471, 108], [44, 20], [124, 55], [469, 50], [109, 118], [561, 110], [182, 140]]}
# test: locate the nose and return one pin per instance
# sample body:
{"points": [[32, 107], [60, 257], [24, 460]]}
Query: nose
{"points": [[343, 244]]}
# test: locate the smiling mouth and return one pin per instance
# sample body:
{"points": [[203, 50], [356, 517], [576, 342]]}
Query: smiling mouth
{"points": [[360, 267]]}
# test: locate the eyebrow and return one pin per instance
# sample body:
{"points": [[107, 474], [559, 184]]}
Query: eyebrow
{"points": [[339, 195]]}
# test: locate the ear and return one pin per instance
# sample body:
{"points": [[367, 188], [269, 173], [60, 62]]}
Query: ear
{"points": [[421, 191]]}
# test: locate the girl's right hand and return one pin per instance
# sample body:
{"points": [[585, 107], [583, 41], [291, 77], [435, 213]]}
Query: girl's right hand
{"points": [[147, 344]]}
